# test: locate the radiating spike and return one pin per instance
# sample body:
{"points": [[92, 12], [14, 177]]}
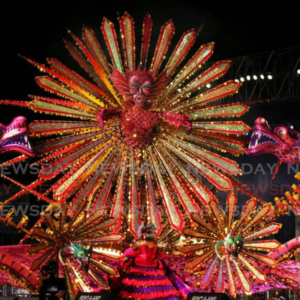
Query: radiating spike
{"points": [[245, 284], [153, 211], [100, 282], [190, 249], [108, 254], [231, 127], [193, 64], [112, 271], [59, 165], [217, 212], [195, 264], [110, 37], [186, 200], [63, 72], [147, 27], [58, 143], [219, 142], [28, 189], [211, 74], [263, 212], [231, 201], [196, 234], [118, 202], [37, 248], [206, 279], [32, 185], [13, 161], [197, 218], [224, 90], [247, 211], [219, 180], [220, 111], [258, 275], [203, 193], [269, 261], [262, 245], [220, 285], [164, 39], [182, 48], [231, 283], [93, 45], [60, 108], [225, 164], [68, 82], [128, 38], [101, 199], [273, 228], [44, 128], [174, 214], [50, 85], [77, 177], [135, 215], [101, 73], [109, 238]]}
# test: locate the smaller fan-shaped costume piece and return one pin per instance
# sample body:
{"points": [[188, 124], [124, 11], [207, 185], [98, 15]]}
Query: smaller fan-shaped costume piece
{"points": [[226, 252], [145, 274], [81, 243]]}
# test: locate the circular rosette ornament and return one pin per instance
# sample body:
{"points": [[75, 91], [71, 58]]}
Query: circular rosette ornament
{"points": [[83, 245], [227, 252]]}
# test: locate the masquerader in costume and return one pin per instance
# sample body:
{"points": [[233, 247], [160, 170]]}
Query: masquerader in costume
{"points": [[145, 274]]}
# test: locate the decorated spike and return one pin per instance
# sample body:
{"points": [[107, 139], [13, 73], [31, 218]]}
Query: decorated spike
{"points": [[234, 127], [153, 211], [128, 39], [110, 37], [206, 279], [118, 201], [186, 200], [224, 90], [147, 27], [173, 212], [193, 64], [231, 201], [94, 47], [182, 48], [220, 111], [134, 213], [211, 74], [164, 39]]}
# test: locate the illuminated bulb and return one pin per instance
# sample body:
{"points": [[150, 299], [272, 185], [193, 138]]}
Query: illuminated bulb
{"points": [[248, 77], [270, 77], [298, 71], [262, 76], [242, 79], [208, 85], [254, 77], [236, 80]]}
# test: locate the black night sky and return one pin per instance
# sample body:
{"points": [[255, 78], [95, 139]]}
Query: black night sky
{"points": [[36, 29]]}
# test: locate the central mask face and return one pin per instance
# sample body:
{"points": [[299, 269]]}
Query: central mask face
{"points": [[140, 84]]}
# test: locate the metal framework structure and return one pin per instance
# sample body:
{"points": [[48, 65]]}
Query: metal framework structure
{"points": [[282, 65]]}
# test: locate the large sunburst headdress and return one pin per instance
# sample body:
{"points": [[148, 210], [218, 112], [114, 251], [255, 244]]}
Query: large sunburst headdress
{"points": [[85, 164]]}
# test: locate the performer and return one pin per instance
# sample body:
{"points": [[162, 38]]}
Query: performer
{"points": [[145, 275]]}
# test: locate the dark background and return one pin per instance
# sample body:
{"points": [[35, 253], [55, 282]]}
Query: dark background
{"points": [[36, 29]]}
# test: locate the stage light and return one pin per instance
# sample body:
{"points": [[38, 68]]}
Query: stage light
{"points": [[248, 77], [242, 79], [262, 76], [208, 85], [270, 76], [254, 77]]}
